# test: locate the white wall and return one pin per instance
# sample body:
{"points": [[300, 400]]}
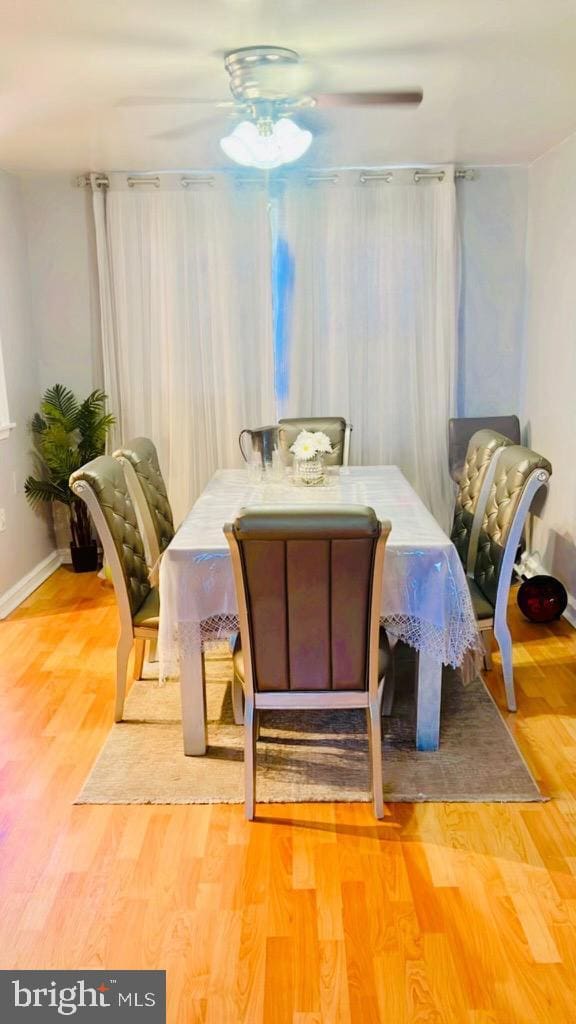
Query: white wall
{"points": [[549, 405], [27, 540], [64, 288], [63, 292], [492, 213]]}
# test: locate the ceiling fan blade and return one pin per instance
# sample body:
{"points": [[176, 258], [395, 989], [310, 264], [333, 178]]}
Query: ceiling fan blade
{"points": [[409, 97], [171, 101], [427, 41], [185, 130]]}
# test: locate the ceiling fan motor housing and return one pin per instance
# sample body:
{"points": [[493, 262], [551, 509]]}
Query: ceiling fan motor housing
{"points": [[256, 72]]}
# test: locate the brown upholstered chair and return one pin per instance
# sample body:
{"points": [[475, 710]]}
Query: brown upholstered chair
{"points": [[308, 585], [139, 460], [520, 473], [334, 426], [476, 478], [102, 485]]}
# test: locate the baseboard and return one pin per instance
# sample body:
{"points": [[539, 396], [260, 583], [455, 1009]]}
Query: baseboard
{"points": [[570, 613], [21, 590], [65, 556]]}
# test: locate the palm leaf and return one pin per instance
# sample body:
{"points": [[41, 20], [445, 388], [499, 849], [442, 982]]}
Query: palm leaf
{"points": [[61, 462], [93, 424], [59, 403], [93, 442], [55, 435], [55, 448], [37, 424], [92, 408], [45, 490]]}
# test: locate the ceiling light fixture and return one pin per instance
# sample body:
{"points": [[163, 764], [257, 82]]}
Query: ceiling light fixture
{"points": [[266, 144]]}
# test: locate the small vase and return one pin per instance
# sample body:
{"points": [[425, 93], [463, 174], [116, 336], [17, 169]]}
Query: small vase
{"points": [[310, 471]]}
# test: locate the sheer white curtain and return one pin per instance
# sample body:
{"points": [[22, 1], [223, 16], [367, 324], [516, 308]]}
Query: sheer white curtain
{"points": [[373, 320], [186, 317]]}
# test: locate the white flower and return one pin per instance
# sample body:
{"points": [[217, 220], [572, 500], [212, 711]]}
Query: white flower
{"points": [[308, 444], [322, 442], [304, 446]]}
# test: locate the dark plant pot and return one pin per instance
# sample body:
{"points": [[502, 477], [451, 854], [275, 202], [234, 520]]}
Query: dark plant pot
{"points": [[85, 558]]}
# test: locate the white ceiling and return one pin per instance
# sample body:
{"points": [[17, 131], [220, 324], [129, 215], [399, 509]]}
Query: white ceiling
{"points": [[499, 78]]}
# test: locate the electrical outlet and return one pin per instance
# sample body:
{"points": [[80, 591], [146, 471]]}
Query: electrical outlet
{"points": [[2, 519]]}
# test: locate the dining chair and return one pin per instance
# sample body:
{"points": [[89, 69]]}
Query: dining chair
{"points": [[102, 485], [337, 429], [461, 429], [478, 470], [139, 460], [520, 473], [308, 585]]}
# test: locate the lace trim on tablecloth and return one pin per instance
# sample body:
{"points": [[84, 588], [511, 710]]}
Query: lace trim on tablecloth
{"points": [[191, 638], [450, 646]]}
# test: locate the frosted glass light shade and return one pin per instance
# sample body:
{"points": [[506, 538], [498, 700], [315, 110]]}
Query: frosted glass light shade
{"points": [[286, 143]]}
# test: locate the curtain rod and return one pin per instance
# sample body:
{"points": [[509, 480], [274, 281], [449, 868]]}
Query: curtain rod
{"points": [[191, 180]]}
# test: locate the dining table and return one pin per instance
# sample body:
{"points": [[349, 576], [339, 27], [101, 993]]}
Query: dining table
{"points": [[425, 600]]}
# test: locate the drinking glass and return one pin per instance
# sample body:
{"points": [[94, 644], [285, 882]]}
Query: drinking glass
{"points": [[254, 467]]}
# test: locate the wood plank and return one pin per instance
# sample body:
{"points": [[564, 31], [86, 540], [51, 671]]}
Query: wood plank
{"points": [[464, 914]]}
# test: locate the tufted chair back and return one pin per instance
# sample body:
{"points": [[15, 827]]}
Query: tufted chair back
{"points": [[105, 478], [515, 468], [481, 449], [141, 455], [461, 429], [307, 577], [333, 426]]}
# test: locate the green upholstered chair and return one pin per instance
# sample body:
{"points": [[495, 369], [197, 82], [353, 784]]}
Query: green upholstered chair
{"points": [[334, 426], [308, 586], [520, 473], [139, 460], [102, 485], [484, 449]]}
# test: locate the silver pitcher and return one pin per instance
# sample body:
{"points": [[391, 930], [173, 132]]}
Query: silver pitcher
{"points": [[263, 441]]}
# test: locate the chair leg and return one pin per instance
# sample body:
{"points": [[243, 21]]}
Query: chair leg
{"points": [[237, 700], [486, 635], [250, 724], [122, 655], [139, 650], [153, 650], [504, 641], [375, 745], [389, 689]]}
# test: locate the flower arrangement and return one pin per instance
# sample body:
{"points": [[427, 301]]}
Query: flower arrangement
{"points": [[308, 449], [309, 444]]}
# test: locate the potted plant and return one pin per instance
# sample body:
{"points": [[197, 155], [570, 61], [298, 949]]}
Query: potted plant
{"points": [[67, 434]]}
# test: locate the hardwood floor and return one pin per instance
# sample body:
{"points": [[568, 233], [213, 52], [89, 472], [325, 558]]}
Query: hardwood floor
{"points": [[314, 914]]}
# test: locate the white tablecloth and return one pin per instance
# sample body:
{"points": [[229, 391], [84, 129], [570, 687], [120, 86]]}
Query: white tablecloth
{"points": [[425, 597]]}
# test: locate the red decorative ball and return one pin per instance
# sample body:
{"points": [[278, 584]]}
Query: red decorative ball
{"points": [[542, 599]]}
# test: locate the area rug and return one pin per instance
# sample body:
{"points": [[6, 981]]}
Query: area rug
{"points": [[309, 756]]}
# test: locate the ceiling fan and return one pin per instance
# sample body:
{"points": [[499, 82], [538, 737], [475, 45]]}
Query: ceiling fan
{"points": [[268, 84]]}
